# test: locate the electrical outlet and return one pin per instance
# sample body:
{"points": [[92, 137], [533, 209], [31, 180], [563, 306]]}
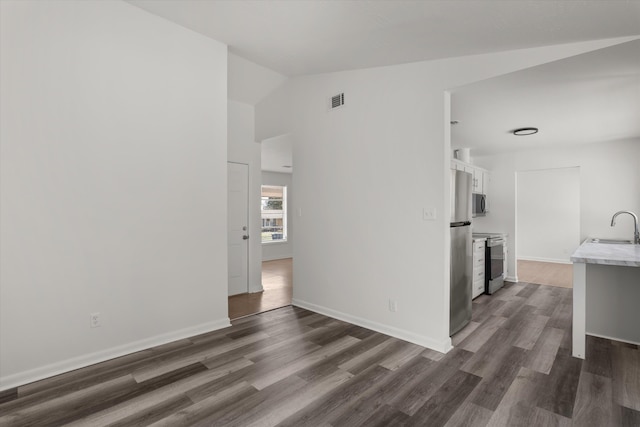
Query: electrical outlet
{"points": [[429, 214], [393, 305], [94, 319]]}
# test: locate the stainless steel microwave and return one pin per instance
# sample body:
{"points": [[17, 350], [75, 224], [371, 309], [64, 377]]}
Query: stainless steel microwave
{"points": [[478, 204]]}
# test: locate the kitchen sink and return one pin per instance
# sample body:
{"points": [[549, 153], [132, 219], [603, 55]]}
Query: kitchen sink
{"points": [[612, 241]]}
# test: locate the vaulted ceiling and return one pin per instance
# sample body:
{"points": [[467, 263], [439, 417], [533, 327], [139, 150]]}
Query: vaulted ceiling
{"points": [[589, 98], [316, 36]]}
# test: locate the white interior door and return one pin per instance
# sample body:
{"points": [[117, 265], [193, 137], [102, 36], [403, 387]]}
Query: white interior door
{"points": [[238, 234]]}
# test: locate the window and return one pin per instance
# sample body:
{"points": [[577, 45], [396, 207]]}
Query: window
{"points": [[274, 213]]}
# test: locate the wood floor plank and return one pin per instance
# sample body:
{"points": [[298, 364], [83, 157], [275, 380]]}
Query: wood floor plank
{"points": [[385, 416], [398, 358], [562, 316], [179, 361], [241, 411], [404, 378], [67, 407], [490, 354], [82, 377], [282, 350], [146, 395], [528, 337], [479, 338], [331, 407], [8, 395], [201, 410], [469, 415], [529, 290], [480, 312], [304, 397], [625, 362], [332, 362], [464, 333], [543, 353], [627, 417], [152, 414], [372, 356], [594, 400], [265, 378], [558, 391], [510, 306], [432, 354], [410, 400], [545, 418], [443, 404], [497, 376], [517, 407], [597, 359]]}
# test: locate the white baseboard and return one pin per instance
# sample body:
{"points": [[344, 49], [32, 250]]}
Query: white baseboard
{"points": [[441, 346], [553, 260], [275, 257], [513, 279], [26, 377]]}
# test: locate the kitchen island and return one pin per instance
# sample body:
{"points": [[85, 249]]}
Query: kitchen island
{"points": [[606, 293]]}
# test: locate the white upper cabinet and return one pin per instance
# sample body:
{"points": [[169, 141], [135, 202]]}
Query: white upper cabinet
{"points": [[480, 181]]}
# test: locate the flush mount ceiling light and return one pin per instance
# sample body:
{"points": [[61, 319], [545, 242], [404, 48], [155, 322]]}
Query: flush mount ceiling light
{"points": [[525, 131]]}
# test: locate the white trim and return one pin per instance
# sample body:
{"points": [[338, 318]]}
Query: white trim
{"points": [[553, 260], [255, 288], [513, 279], [275, 257], [579, 316], [613, 338], [421, 340], [26, 377], [275, 242]]}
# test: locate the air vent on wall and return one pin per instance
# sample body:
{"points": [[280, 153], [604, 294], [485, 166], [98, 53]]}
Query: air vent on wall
{"points": [[337, 101]]}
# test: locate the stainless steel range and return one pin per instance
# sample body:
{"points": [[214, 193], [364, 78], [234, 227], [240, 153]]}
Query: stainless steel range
{"points": [[494, 261]]}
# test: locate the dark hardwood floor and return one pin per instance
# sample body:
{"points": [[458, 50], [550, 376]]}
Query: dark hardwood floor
{"points": [[511, 366]]}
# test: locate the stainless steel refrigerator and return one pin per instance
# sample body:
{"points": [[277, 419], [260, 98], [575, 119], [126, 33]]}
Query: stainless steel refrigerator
{"points": [[461, 251]]}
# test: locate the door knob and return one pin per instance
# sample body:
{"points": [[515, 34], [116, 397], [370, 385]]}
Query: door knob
{"points": [[245, 237]]}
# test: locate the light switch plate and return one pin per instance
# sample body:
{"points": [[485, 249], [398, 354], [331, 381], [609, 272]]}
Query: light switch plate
{"points": [[429, 214]]}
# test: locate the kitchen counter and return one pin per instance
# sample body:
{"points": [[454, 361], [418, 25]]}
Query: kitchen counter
{"points": [[607, 254], [606, 291]]}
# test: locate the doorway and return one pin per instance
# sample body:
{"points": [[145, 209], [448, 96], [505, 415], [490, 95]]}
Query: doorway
{"points": [[547, 224], [277, 283]]}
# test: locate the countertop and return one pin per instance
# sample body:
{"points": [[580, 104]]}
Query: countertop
{"points": [[607, 254]]}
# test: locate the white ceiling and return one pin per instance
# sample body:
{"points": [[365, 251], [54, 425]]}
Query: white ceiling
{"points": [[315, 36], [594, 97], [248, 82]]}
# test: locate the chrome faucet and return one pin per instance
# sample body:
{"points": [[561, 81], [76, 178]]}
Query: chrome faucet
{"points": [[636, 234]]}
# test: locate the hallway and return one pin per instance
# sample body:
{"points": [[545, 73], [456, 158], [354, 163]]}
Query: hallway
{"points": [[277, 281]]}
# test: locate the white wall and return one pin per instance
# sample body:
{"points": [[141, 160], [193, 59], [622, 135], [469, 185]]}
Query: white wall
{"points": [[280, 250], [113, 184], [548, 214], [242, 148], [609, 181], [364, 174]]}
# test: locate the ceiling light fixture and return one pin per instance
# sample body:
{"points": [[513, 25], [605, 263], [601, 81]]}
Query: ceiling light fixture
{"points": [[525, 131]]}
